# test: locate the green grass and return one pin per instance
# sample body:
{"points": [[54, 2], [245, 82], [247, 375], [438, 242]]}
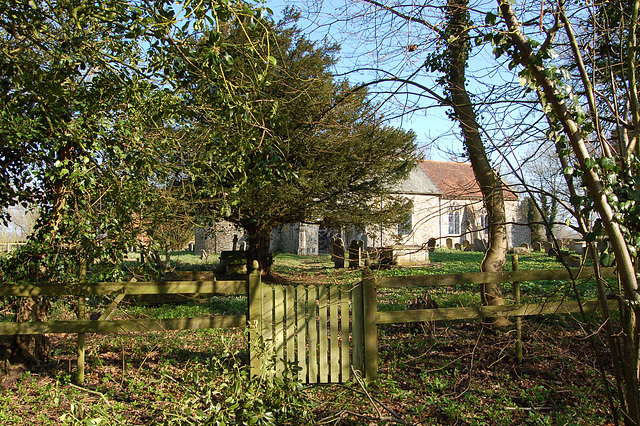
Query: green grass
{"points": [[445, 373]]}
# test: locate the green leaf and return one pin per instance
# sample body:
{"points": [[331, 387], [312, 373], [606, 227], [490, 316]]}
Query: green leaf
{"points": [[607, 163]]}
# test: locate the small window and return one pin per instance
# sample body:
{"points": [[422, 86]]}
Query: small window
{"points": [[485, 224], [405, 227], [454, 222], [452, 229]]}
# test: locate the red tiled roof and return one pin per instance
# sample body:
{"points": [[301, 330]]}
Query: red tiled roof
{"points": [[456, 180]]}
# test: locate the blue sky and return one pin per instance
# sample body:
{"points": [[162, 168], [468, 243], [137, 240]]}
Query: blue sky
{"points": [[436, 133]]}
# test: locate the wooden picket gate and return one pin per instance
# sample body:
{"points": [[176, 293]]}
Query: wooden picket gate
{"points": [[319, 328]]}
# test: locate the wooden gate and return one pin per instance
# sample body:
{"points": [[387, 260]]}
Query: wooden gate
{"points": [[319, 328]]}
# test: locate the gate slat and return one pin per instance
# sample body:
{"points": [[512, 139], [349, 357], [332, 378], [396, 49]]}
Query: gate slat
{"points": [[323, 339], [334, 354], [301, 325], [291, 323], [345, 319], [357, 328], [267, 314], [278, 338], [312, 317]]}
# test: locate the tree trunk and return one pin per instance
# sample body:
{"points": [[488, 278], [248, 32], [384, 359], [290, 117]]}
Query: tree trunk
{"points": [[630, 297], [457, 15], [259, 244]]}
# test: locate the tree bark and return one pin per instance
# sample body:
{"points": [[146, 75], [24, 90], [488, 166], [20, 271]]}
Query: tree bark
{"points": [[259, 247], [490, 184], [630, 303]]}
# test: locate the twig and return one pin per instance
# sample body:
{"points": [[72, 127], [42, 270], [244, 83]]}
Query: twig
{"points": [[473, 352], [528, 408], [395, 417], [355, 374], [100, 394], [344, 413]]}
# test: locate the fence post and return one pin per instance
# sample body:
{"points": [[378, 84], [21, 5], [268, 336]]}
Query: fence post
{"points": [[254, 315], [81, 314], [370, 307], [516, 295]]}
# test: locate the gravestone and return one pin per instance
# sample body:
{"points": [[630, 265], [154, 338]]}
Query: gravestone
{"points": [[479, 245], [337, 253], [520, 251], [465, 244], [449, 243], [457, 246], [233, 262], [580, 247], [525, 245], [537, 246], [355, 253], [431, 244]]}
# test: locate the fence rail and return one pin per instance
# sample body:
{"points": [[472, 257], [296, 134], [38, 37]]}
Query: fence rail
{"points": [[489, 277], [326, 328], [518, 310], [129, 288]]}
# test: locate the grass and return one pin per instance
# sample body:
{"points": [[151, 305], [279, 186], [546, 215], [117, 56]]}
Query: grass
{"points": [[435, 374]]}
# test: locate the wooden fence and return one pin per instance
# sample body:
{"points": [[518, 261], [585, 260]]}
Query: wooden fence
{"points": [[327, 330], [200, 283]]}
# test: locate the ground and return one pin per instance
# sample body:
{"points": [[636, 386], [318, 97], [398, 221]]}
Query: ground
{"points": [[430, 374]]}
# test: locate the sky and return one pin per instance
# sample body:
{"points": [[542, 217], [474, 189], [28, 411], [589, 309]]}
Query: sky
{"points": [[436, 134], [402, 47]]}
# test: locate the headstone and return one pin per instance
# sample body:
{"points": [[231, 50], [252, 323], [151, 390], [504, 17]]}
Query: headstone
{"points": [[465, 244], [457, 246], [431, 244], [479, 245], [235, 242], [525, 245], [520, 251], [355, 253], [337, 253], [233, 262], [580, 247], [449, 243], [537, 246]]}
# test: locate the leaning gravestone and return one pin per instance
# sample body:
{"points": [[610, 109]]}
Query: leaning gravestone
{"points": [[337, 253], [449, 243], [457, 246]]}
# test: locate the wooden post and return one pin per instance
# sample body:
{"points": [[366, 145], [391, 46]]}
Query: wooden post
{"points": [[370, 307], [81, 336], [254, 316], [516, 296]]}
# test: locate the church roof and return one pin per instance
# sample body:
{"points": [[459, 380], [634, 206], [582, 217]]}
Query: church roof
{"points": [[456, 180], [417, 183]]}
